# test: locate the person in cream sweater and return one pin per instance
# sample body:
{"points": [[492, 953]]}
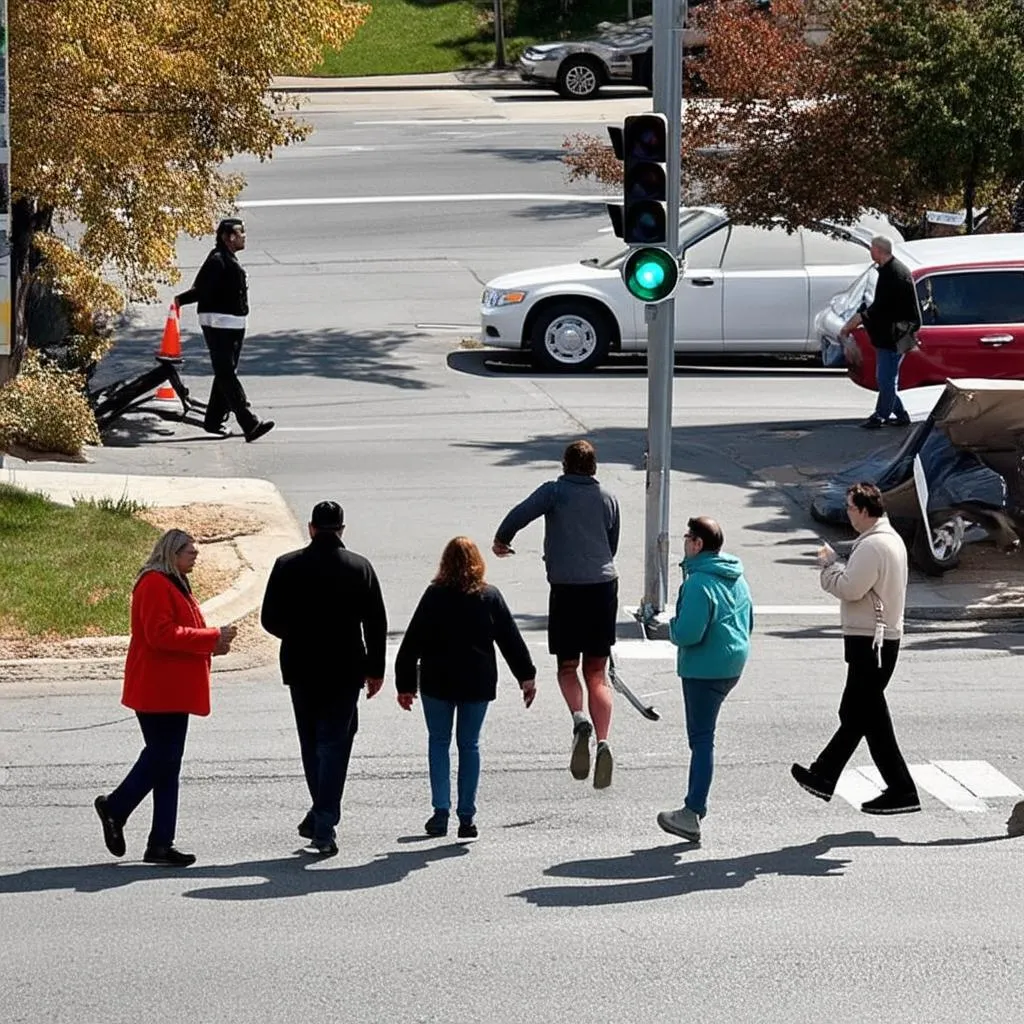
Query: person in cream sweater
{"points": [[872, 588]]}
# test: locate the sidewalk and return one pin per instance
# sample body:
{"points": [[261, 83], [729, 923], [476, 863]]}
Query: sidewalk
{"points": [[470, 78]]}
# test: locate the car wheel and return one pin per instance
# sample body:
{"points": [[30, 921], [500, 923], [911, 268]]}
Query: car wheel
{"points": [[948, 538], [570, 336], [578, 78]]}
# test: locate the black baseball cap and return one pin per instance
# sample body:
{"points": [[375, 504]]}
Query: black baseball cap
{"points": [[327, 515]]}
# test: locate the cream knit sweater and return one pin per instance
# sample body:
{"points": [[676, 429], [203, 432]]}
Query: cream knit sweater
{"points": [[877, 562]]}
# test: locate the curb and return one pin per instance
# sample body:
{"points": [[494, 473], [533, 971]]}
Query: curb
{"points": [[280, 533], [403, 83]]}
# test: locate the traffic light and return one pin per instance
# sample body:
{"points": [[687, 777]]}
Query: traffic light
{"points": [[645, 186], [650, 274]]}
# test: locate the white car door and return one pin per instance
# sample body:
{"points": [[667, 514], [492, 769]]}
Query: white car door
{"points": [[765, 298], [699, 296]]}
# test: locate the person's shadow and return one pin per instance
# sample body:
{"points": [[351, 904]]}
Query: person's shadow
{"points": [[278, 878], [656, 873]]}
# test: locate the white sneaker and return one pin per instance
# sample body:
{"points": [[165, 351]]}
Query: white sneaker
{"points": [[683, 823]]}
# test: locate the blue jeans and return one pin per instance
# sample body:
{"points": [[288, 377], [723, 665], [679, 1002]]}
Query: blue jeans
{"points": [[702, 699], [887, 363], [468, 716], [327, 722], [156, 771]]}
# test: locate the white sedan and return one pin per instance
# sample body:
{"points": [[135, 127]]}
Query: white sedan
{"points": [[744, 289]]}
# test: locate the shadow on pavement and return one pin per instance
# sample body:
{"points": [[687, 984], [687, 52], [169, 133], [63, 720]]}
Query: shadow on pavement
{"points": [[279, 878], [656, 874], [373, 357]]}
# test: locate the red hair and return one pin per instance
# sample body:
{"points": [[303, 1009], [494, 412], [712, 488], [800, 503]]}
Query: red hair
{"points": [[462, 566]]}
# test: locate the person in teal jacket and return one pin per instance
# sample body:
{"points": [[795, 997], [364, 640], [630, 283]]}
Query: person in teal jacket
{"points": [[711, 627]]}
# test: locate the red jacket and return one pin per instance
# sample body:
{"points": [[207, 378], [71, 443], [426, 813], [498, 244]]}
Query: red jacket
{"points": [[168, 665]]}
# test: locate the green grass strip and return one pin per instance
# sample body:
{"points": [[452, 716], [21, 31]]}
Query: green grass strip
{"points": [[68, 571]]}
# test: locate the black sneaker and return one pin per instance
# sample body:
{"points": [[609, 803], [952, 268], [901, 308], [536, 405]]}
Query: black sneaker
{"points": [[813, 783], [322, 848], [261, 428], [467, 830], [437, 824], [168, 856], [579, 760], [305, 827], [603, 766], [871, 423], [892, 803], [113, 830]]}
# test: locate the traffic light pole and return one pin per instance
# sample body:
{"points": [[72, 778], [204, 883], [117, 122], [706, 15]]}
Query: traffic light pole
{"points": [[669, 19]]}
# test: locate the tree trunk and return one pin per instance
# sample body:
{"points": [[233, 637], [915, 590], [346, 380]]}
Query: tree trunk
{"points": [[26, 219]]}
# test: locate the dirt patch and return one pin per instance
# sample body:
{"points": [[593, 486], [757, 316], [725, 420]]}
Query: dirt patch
{"points": [[207, 523]]}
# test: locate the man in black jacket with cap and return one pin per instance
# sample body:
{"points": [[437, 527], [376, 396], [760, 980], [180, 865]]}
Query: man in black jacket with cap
{"points": [[324, 603], [221, 290]]}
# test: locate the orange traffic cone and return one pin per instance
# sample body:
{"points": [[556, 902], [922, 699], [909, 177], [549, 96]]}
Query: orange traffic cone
{"points": [[170, 348], [170, 345]]}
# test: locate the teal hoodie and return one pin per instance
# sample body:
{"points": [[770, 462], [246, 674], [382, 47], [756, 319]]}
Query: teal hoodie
{"points": [[714, 618]]}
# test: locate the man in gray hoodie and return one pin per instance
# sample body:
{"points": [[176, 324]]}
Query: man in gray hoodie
{"points": [[872, 589], [581, 536]]}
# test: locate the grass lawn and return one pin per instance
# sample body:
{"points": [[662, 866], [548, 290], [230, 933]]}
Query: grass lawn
{"points": [[67, 571], [403, 37], [422, 36]]}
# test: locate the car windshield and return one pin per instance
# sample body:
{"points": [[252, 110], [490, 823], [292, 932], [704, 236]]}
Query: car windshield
{"points": [[862, 290], [693, 224]]}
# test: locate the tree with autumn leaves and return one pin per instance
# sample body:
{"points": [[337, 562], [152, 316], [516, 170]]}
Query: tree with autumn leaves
{"points": [[122, 114], [906, 105]]}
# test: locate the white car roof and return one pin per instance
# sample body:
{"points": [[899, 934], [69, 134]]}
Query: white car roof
{"points": [[966, 249]]}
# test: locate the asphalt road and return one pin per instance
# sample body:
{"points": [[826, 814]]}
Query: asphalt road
{"points": [[572, 905]]}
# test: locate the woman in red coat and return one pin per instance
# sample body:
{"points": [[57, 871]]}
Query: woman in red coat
{"points": [[166, 679]]}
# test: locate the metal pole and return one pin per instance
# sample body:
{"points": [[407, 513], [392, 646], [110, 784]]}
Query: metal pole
{"points": [[669, 18], [499, 34], [5, 196]]}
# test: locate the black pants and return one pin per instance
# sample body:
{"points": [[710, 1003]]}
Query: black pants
{"points": [[227, 394], [327, 723], [864, 714], [156, 771]]}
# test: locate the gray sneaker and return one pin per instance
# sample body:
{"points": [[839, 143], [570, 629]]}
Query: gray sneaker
{"points": [[602, 767], [579, 760], [683, 823]]}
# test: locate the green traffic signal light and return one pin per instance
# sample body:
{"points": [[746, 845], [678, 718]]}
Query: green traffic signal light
{"points": [[650, 274]]}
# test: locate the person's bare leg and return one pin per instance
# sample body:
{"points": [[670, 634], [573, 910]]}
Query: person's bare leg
{"points": [[572, 691], [599, 695]]}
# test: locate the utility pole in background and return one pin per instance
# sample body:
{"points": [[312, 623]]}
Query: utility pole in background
{"points": [[669, 19], [499, 34]]}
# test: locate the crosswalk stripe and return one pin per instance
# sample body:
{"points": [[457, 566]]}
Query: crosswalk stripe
{"points": [[980, 778], [935, 781], [855, 787], [960, 785]]}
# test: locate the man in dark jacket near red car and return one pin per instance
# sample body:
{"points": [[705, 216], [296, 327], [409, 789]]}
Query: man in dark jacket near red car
{"points": [[325, 605], [892, 313], [221, 291]]}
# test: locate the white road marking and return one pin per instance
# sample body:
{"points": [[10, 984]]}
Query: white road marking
{"points": [[645, 650], [944, 787], [981, 779], [440, 121], [828, 610], [960, 785], [469, 197], [855, 787]]}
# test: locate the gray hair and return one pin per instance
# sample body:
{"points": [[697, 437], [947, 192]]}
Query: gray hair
{"points": [[162, 557], [882, 242]]}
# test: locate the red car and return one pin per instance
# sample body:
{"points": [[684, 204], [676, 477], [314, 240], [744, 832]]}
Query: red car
{"points": [[970, 290]]}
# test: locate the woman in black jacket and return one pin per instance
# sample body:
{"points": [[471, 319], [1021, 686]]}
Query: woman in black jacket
{"points": [[451, 640]]}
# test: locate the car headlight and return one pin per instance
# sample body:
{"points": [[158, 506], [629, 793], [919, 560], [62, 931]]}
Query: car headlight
{"points": [[500, 297], [538, 55]]}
